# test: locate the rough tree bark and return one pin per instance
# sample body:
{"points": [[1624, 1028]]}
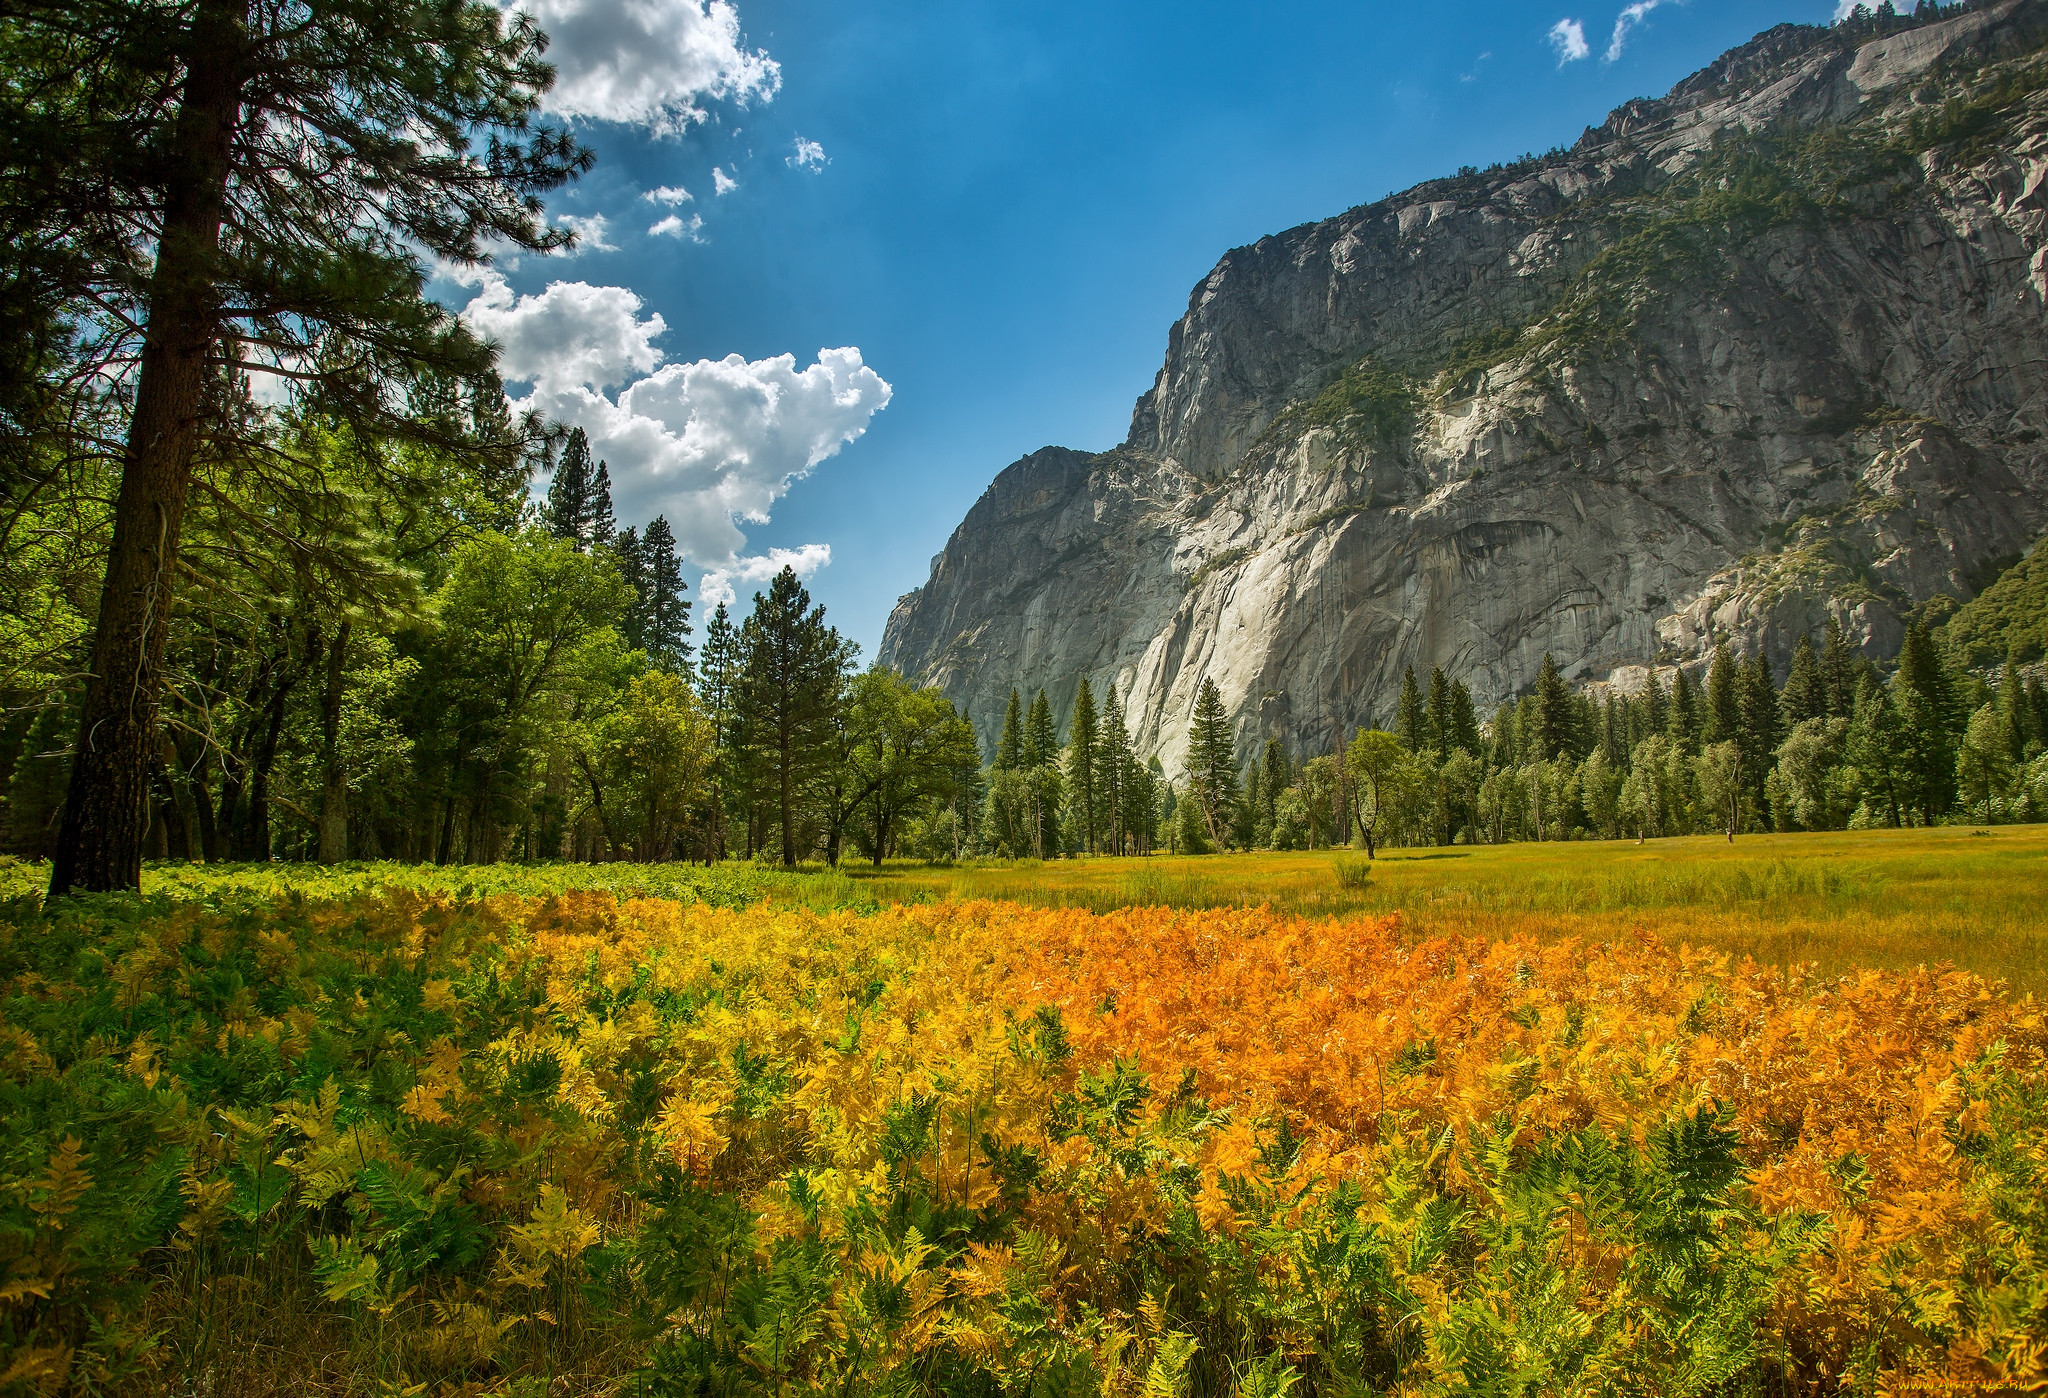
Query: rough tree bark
{"points": [[100, 844], [334, 783]]}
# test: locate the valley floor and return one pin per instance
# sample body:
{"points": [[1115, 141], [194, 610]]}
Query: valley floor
{"points": [[525, 1130], [1975, 898]]}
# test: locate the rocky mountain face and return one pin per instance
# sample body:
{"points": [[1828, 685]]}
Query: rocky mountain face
{"points": [[1767, 351]]}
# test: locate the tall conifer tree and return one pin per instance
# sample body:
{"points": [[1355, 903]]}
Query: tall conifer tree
{"points": [[1757, 735], [1554, 719], [794, 671], [666, 610], [718, 681], [1212, 762], [1411, 718], [1081, 766], [1685, 715], [569, 493], [1041, 734], [1806, 688], [1113, 767], [631, 559], [1723, 716], [285, 172], [1010, 746], [1838, 670], [1464, 730], [600, 526]]}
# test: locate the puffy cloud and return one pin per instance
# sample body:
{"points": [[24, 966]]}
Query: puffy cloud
{"points": [[722, 183], [757, 569], [569, 335], [705, 443], [669, 194], [1629, 18], [649, 62], [1568, 37], [809, 155], [675, 227], [589, 233]]}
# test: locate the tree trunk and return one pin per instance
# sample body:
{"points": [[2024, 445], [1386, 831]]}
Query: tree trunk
{"points": [[264, 760], [100, 844], [334, 785], [212, 839], [788, 829]]}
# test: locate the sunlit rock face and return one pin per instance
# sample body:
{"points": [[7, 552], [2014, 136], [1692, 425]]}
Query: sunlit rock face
{"points": [[1768, 351]]}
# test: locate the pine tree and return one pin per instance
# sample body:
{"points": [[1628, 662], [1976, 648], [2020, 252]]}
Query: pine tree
{"points": [[1924, 696], [1279, 775], [1806, 690], [1613, 747], [631, 559], [600, 526], [1723, 717], [1685, 721], [1212, 762], [1654, 711], [1464, 730], [570, 492], [1113, 763], [718, 680], [1555, 726], [794, 671], [2013, 711], [1041, 734], [1757, 735], [1081, 766], [284, 173], [1838, 669], [1411, 721], [1010, 746], [1506, 743], [1874, 749], [1442, 718], [666, 611], [1924, 669], [969, 792]]}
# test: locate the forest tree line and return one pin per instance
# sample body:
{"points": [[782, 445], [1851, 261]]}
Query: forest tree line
{"points": [[531, 692], [1837, 745]]}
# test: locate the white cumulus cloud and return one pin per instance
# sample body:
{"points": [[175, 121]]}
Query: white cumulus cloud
{"points": [[809, 155], [722, 183], [571, 334], [669, 194], [1568, 37], [706, 443], [1631, 16], [589, 233], [755, 570], [675, 226], [649, 62]]}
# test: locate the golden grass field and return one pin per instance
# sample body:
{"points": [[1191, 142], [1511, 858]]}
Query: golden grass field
{"points": [[1872, 898]]}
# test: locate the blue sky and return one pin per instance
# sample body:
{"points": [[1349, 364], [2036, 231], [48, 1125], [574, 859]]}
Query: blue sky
{"points": [[1003, 209]]}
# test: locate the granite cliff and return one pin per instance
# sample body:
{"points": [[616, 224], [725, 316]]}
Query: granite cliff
{"points": [[1767, 350]]}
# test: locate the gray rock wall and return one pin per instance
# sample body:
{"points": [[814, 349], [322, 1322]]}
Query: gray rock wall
{"points": [[1686, 431]]}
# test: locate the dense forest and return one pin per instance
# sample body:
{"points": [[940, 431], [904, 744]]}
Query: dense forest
{"points": [[1838, 745], [272, 584]]}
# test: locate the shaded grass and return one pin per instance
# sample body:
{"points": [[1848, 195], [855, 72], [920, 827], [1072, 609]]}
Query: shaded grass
{"points": [[1846, 901]]}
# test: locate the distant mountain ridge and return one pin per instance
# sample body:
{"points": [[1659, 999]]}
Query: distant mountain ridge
{"points": [[1767, 350]]}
